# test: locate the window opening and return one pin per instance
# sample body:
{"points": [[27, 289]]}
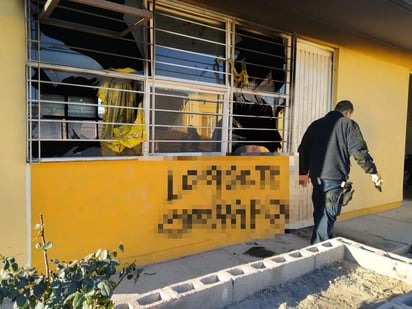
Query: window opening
{"points": [[260, 93], [189, 48], [132, 14], [70, 61], [113, 48], [183, 121], [208, 85]]}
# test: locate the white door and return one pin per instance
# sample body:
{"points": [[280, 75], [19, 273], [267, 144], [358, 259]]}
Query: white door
{"points": [[312, 99]]}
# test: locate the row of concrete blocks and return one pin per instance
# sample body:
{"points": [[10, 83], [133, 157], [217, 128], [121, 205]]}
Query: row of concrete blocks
{"points": [[234, 284]]}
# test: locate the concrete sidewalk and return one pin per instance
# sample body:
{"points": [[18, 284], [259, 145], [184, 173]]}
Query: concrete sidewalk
{"points": [[158, 275], [389, 230]]}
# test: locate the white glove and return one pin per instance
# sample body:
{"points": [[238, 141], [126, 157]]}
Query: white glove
{"points": [[377, 180]]}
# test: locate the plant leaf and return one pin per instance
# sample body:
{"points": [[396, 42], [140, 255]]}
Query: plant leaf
{"points": [[121, 247], [11, 259], [105, 288], [39, 289], [69, 299], [54, 261], [20, 300], [47, 245], [103, 255], [88, 306], [78, 300], [98, 252], [136, 274], [87, 285], [22, 283]]}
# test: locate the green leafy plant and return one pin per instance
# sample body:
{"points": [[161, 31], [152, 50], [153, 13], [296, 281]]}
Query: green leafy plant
{"points": [[87, 283]]}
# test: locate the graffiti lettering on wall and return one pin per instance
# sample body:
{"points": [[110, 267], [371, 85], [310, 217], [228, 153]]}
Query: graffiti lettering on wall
{"points": [[238, 199]]}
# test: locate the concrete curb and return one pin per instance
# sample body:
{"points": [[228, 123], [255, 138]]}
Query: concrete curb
{"points": [[234, 284], [231, 285]]}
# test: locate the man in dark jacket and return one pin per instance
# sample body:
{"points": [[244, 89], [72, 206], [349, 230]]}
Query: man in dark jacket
{"points": [[324, 155]]}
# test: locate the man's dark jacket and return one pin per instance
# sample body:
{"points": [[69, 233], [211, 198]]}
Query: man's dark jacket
{"points": [[327, 145]]}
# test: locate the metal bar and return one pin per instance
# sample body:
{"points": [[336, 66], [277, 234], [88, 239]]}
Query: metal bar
{"points": [[80, 27], [48, 8], [132, 27], [116, 7], [105, 73]]}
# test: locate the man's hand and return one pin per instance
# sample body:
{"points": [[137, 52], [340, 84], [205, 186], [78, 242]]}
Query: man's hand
{"points": [[377, 180], [304, 180]]}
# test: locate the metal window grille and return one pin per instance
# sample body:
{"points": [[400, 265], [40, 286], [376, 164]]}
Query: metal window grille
{"points": [[111, 81], [260, 100]]}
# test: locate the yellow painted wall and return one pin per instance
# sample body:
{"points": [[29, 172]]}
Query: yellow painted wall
{"points": [[92, 204], [379, 91], [13, 231], [159, 209], [408, 143]]}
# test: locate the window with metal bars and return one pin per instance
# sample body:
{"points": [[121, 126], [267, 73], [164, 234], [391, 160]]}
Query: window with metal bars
{"points": [[260, 92], [128, 78]]}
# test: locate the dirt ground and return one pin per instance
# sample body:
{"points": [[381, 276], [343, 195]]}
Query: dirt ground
{"points": [[340, 285]]}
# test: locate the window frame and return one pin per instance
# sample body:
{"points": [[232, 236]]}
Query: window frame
{"points": [[150, 80]]}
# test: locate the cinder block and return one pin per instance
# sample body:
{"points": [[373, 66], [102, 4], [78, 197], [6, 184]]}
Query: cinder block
{"points": [[344, 241], [234, 284], [297, 263], [388, 265], [155, 299], [212, 291], [327, 253], [254, 277]]}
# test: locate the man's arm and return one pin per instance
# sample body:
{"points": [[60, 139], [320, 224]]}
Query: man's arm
{"points": [[365, 161], [359, 150]]}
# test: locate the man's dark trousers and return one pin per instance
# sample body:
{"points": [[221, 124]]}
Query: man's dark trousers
{"points": [[326, 208]]}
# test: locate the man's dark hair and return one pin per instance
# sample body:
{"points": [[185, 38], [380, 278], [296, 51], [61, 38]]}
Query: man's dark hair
{"points": [[344, 106]]}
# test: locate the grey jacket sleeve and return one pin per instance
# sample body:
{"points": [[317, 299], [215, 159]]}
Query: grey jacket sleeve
{"points": [[359, 150]]}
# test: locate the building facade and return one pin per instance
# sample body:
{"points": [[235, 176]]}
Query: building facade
{"points": [[173, 129]]}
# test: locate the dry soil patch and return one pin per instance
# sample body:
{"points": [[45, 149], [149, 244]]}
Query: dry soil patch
{"points": [[340, 285]]}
